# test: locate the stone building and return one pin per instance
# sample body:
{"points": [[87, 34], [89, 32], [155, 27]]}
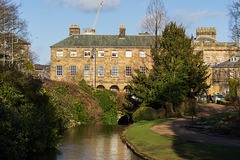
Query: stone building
{"points": [[104, 61], [13, 49], [108, 61], [222, 72], [213, 52]]}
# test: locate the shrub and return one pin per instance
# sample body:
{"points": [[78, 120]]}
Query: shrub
{"points": [[82, 116], [106, 102], [28, 117], [233, 86], [145, 113], [29, 65]]}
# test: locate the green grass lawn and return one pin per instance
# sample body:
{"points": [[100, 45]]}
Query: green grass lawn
{"points": [[221, 116], [165, 148]]}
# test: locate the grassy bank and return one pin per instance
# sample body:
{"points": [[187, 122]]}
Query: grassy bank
{"points": [[155, 146], [79, 104]]}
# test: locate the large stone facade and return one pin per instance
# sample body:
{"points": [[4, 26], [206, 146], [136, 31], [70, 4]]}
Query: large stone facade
{"points": [[104, 61], [213, 53], [222, 72], [93, 57]]}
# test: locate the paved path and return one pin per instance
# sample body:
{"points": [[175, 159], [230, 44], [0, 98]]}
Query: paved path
{"points": [[175, 128]]}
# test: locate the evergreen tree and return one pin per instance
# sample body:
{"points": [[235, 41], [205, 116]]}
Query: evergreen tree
{"points": [[177, 73]]}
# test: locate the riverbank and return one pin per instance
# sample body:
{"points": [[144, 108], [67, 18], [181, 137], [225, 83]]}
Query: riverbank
{"points": [[150, 145]]}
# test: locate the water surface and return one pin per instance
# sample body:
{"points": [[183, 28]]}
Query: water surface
{"points": [[91, 142]]}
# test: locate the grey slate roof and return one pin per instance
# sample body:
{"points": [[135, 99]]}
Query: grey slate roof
{"points": [[41, 67], [84, 40], [228, 64]]}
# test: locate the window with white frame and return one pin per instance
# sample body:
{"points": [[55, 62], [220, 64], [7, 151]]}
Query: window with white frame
{"points": [[59, 70], [142, 69], [238, 75], [59, 53], [73, 70], [207, 60], [128, 53], [87, 71], [87, 53], [128, 71], [219, 60], [100, 71], [142, 54], [73, 53], [100, 53], [23, 52], [114, 53], [231, 74], [114, 71]]}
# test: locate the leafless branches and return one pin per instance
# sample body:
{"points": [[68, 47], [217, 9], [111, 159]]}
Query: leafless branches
{"points": [[234, 23], [156, 19]]}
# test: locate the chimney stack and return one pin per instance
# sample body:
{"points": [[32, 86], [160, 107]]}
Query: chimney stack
{"points": [[74, 29], [122, 31]]}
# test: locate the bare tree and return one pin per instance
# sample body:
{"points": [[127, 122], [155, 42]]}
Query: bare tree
{"points": [[33, 56], [13, 32], [155, 20], [234, 22]]}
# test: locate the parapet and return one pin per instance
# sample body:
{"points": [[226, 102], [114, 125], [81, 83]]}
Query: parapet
{"points": [[206, 32]]}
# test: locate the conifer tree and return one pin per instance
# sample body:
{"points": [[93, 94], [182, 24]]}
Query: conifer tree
{"points": [[177, 73]]}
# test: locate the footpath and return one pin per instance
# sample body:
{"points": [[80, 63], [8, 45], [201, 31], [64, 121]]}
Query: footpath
{"points": [[176, 128]]}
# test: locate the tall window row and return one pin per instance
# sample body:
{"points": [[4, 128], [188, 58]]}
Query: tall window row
{"points": [[73, 53], [100, 70]]}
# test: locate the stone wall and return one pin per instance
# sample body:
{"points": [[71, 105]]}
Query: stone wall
{"points": [[220, 78], [107, 61]]}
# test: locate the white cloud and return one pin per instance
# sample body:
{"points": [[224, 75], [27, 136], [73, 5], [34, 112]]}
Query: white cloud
{"points": [[188, 19], [88, 5]]}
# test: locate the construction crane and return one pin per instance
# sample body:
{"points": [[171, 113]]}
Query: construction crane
{"points": [[100, 6]]}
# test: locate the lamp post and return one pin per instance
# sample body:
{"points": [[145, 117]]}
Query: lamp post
{"points": [[95, 67]]}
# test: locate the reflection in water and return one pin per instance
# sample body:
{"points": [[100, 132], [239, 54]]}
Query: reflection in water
{"points": [[94, 142]]}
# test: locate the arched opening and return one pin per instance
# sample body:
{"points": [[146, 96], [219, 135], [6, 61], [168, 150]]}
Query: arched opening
{"points": [[100, 87], [114, 88], [124, 120], [126, 89]]}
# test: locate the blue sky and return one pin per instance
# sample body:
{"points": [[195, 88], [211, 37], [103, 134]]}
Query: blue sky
{"points": [[49, 20]]}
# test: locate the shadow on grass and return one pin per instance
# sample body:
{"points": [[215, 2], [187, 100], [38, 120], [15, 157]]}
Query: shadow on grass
{"points": [[202, 146], [199, 151], [157, 146]]}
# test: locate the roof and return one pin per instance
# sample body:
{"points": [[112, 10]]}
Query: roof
{"points": [[41, 67], [203, 39], [228, 64], [9, 36], [105, 41]]}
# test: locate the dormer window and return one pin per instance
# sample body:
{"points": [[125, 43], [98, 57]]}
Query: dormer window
{"points": [[234, 59]]}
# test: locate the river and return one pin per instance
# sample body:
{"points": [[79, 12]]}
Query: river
{"points": [[90, 142]]}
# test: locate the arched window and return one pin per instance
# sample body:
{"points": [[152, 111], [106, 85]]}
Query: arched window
{"points": [[114, 88], [100, 87]]}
